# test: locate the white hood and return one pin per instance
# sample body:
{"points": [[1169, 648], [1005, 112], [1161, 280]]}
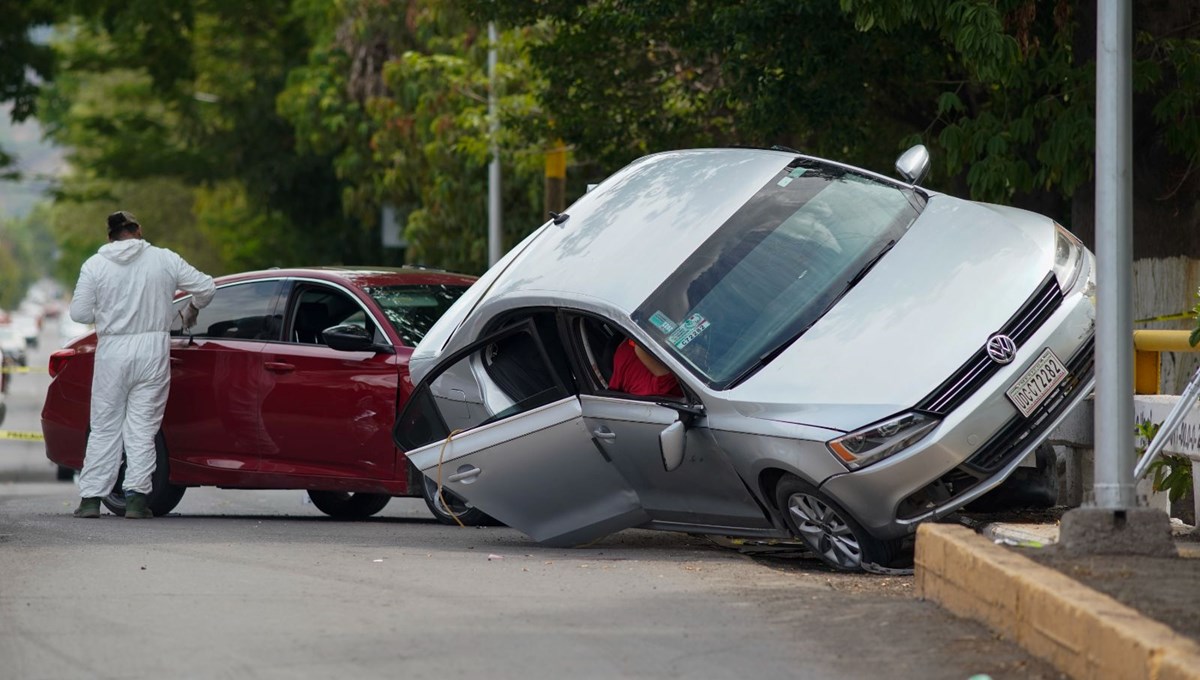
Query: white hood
{"points": [[124, 252], [957, 276]]}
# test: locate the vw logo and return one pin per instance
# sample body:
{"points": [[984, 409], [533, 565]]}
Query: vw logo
{"points": [[1001, 348]]}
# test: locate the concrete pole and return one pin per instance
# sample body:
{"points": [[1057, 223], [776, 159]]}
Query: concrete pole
{"points": [[494, 215], [1114, 484]]}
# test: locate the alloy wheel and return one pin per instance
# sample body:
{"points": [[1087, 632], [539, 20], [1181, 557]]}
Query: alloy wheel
{"points": [[825, 531]]}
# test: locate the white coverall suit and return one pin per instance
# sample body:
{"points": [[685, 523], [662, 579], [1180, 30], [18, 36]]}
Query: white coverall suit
{"points": [[126, 290]]}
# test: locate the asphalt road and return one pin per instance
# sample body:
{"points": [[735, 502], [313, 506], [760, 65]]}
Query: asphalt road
{"points": [[258, 584]]}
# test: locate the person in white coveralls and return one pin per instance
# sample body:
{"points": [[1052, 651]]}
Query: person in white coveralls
{"points": [[126, 290]]}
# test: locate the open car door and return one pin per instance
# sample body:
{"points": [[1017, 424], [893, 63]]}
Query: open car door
{"points": [[497, 425]]}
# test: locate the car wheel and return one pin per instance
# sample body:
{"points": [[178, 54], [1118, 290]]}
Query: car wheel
{"points": [[453, 507], [829, 531], [64, 474], [346, 505], [163, 497]]}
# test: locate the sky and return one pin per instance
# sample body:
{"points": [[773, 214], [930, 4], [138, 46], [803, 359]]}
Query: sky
{"points": [[38, 162]]}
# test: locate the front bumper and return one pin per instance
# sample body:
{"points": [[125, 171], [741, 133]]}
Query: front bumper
{"points": [[977, 445]]}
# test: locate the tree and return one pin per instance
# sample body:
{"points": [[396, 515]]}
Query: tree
{"points": [[186, 91], [398, 91], [23, 61]]}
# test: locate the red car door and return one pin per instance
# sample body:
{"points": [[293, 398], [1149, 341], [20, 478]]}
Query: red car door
{"points": [[213, 423], [328, 412]]}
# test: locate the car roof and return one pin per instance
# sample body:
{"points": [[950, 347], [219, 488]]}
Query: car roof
{"points": [[628, 234], [358, 276]]}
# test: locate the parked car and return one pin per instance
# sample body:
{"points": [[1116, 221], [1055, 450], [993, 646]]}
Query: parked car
{"points": [[856, 355], [27, 327], [290, 379], [13, 344]]}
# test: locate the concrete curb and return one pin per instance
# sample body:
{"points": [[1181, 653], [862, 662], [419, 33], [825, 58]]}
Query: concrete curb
{"points": [[1085, 634]]}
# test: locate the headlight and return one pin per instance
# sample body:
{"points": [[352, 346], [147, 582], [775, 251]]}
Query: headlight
{"points": [[881, 440], [1068, 257]]}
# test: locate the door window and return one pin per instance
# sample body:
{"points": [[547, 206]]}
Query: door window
{"points": [[315, 308], [611, 363], [241, 310], [508, 373]]}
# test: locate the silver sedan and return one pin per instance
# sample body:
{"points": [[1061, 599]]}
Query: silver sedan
{"points": [[850, 355]]}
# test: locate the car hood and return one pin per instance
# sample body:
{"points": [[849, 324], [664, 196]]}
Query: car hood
{"points": [[962, 270]]}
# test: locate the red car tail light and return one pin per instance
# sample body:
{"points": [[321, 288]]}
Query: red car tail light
{"points": [[58, 361]]}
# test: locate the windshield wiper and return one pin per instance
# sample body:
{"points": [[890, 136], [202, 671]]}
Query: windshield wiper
{"points": [[775, 351]]}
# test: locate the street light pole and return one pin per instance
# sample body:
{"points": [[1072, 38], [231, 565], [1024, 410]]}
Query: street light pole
{"points": [[1114, 483], [1114, 524]]}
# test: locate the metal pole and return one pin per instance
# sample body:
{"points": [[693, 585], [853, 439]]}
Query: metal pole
{"points": [[1114, 483], [494, 217]]}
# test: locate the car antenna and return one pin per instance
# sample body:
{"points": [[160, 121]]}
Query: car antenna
{"points": [[559, 218]]}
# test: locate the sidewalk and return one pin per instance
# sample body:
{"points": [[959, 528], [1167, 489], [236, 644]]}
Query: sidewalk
{"points": [[1012, 578]]}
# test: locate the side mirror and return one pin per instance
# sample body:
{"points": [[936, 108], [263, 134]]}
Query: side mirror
{"points": [[672, 443], [913, 164], [349, 338]]}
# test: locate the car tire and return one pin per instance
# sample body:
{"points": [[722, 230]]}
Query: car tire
{"points": [[64, 474], [828, 530], [347, 505], [162, 498], [465, 512]]}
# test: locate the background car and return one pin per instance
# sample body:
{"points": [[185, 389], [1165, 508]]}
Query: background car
{"points": [[856, 355], [13, 343], [290, 379], [27, 327]]}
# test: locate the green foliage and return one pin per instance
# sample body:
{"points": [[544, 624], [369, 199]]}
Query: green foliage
{"points": [[399, 92], [622, 83], [1169, 472], [23, 62]]}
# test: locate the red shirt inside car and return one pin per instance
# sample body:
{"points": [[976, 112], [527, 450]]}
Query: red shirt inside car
{"points": [[630, 375]]}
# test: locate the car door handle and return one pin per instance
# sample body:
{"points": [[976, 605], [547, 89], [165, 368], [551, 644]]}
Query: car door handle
{"points": [[604, 433], [466, 474], [176, 361], [278, 366]]}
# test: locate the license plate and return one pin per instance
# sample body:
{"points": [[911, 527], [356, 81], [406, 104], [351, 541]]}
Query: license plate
{"points": [[1037, 383]]}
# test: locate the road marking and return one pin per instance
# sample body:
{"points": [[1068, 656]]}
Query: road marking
{"points": [[24, 436]]}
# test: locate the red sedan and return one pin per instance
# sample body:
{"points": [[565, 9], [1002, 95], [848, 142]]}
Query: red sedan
{"points": [[290, 379]]}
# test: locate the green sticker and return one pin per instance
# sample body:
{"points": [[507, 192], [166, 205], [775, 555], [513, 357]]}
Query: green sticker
{"points": [[662, 322], [784, 182], [688, 331], [797, 172]]}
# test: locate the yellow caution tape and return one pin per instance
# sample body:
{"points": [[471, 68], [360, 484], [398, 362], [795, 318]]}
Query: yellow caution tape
{"points": [[22, 369], [24, 436]]}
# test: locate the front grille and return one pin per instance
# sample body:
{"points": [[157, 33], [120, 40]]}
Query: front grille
{"points": [[980, 368], [1012, 439]]}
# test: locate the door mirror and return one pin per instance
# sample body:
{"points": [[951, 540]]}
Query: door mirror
{"points": [[349, 338], [913, 164], [672, 442]]}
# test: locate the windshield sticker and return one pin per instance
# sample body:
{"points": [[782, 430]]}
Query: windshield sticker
{"points": [[796, 173], [662, 322], [688, 331]]}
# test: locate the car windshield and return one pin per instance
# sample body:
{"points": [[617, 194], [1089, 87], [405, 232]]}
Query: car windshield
{"points": [[775, 267], [412, 309]]}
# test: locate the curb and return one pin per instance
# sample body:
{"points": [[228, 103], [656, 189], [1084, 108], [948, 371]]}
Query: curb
{"points": [[1083, 633]]}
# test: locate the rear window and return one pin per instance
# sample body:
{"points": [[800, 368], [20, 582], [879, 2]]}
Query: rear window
{"points": [[413, 309], [774, 268]]}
